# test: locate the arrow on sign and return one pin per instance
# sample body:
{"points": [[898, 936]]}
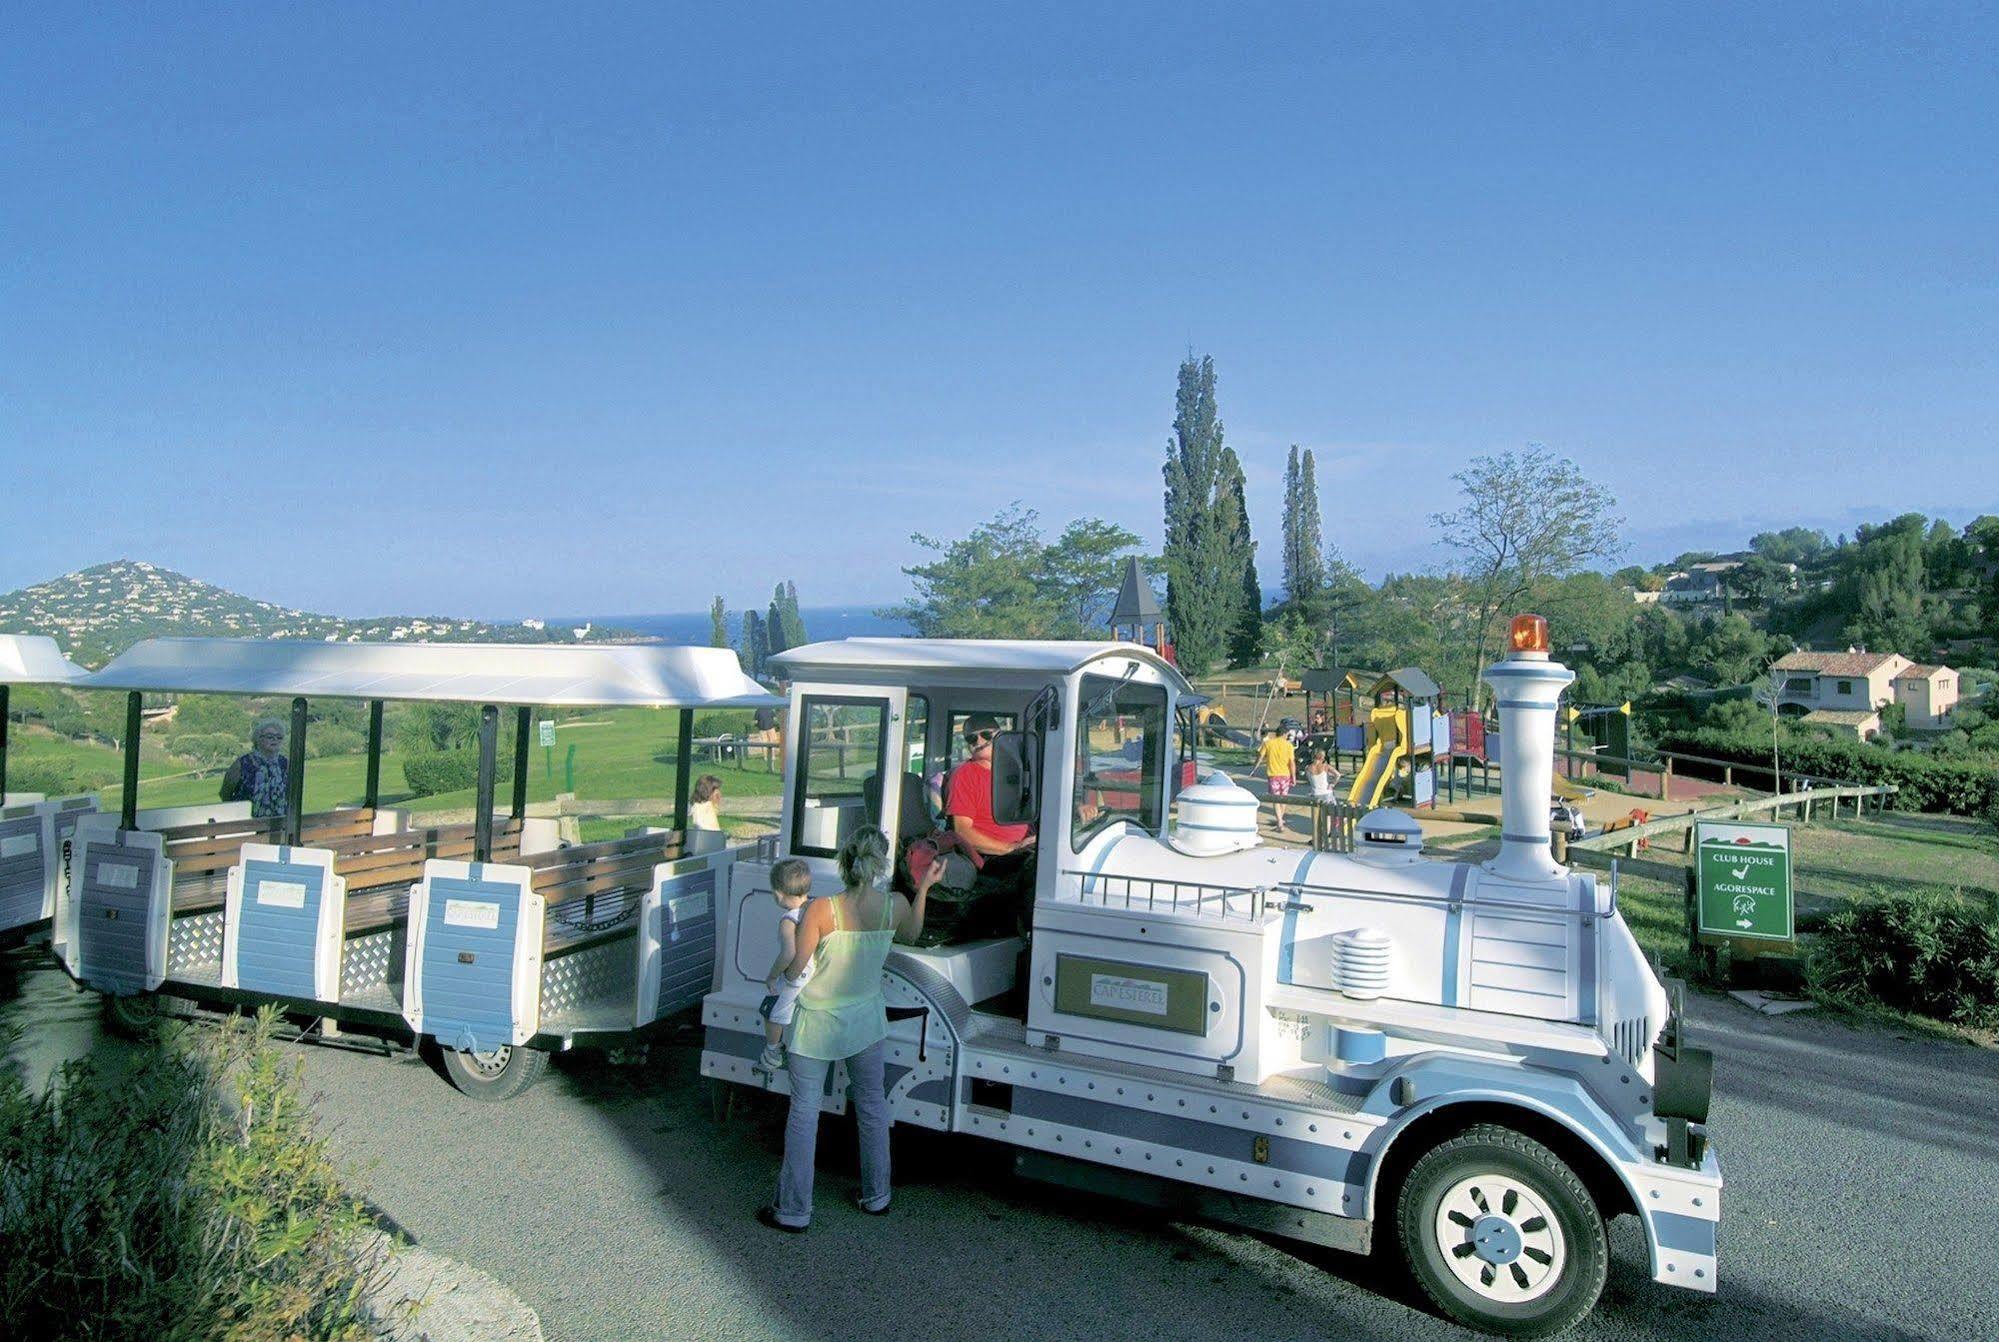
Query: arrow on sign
{"points": [[1744, 922], [1740, 873]]}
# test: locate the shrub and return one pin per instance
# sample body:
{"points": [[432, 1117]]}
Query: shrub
{"points": [[187, 1196], [441, 771], [1957, 787], [334, 738], [1926, 954], [51, 778], [208, 749]]}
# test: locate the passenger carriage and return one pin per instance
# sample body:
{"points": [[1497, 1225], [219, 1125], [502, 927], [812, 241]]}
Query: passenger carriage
{"points": [[490, 937], [34, 830], [1303, 1043]]}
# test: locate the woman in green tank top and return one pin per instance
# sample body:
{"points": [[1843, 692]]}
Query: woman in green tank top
{"points": [[841, 1018]]}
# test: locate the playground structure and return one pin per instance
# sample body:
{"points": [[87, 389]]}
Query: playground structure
{"points": [[1405, 736]]}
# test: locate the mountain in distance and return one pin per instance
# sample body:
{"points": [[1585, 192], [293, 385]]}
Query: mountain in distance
{"points": [[98, 612]]}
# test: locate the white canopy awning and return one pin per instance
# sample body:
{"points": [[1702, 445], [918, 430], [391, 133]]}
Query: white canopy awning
{"points": [[557, 675], [34, 659], [1044, 657]]}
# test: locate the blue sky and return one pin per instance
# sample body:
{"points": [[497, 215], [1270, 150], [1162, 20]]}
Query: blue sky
{"points": [[500, 310]]}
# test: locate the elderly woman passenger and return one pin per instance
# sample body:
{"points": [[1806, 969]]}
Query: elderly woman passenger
{"points": [[263, 776], [841, 1017]]}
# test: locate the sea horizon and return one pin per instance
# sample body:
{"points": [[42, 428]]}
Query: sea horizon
{"points": [[695, 627]]}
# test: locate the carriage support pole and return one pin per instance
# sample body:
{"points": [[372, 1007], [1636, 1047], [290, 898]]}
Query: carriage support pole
{"points": [[372, 797], [128, 805], [521, 725], [295, 777], [482, 818], [683, 771]]}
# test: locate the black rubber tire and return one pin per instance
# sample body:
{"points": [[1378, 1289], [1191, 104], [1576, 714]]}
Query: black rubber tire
{"points": [[131, 1017], [512, 1071], [1504, 1151]]}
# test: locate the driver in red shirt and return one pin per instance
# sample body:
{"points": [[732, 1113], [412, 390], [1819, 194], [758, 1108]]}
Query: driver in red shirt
{"points": [[968, 799]]}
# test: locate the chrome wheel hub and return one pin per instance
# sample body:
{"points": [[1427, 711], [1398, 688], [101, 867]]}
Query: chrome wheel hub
{"points": [[1499, 1238]]}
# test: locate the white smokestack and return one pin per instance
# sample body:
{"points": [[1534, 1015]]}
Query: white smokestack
{"points": [[1528, 687]]}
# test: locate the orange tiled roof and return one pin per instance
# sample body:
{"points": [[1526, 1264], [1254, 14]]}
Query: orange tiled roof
{"points": [[1836, 663]]}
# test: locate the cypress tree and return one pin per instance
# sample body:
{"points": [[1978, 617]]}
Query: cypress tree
{"points": [[774, 641], [754, 649], [1292, 516], [1245, 628], [1203, 586], [1309, 595], [718, 625], [794, 623]]}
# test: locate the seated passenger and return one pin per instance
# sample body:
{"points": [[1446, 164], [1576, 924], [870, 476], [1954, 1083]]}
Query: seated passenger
{"points": [[968, 799], [263, 776]]}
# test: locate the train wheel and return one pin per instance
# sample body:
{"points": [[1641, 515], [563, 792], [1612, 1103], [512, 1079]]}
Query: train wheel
{"points": [[131, 1017], [495, 1074], [1502, 1235]]}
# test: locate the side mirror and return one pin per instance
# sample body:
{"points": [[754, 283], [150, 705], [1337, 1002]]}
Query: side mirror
{"points": [[1013, 780]]}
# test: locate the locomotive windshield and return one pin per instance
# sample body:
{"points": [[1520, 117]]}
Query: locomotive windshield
{"points": [[1121, 743]]}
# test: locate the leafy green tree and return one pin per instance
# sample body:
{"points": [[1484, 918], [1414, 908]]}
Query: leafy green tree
{"points": [[1003, 581], [718, 625], [1084, 564], [1757, 581], [1525, 517], [1202, 562], [1792, 545], [1730, 649], [1886, 590]]}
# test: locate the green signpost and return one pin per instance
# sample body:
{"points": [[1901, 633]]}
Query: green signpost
{"points": [[1743, 881]]}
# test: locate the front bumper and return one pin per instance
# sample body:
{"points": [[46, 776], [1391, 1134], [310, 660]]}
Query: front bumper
{"points": [[1682, 1213]]}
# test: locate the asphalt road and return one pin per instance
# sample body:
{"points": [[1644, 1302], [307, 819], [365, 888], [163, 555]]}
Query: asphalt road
{"points": [[1863, 1202]]}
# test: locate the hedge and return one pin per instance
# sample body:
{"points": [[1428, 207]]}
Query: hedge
{"points": [[442, 771], [1927, 783]]}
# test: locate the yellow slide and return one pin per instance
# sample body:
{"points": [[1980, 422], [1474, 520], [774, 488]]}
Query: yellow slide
{"points": [[1385, 747], [1569, 791]]}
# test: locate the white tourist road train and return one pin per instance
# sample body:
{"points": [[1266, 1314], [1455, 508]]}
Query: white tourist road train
{"points": [[1475, 1057], [1474, 1061]]}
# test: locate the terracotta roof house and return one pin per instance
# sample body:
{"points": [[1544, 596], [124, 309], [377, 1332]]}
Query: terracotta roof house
{"points": [[1849, 689], [1930, 693]]}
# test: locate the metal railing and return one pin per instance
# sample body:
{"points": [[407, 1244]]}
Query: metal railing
{"points": [[1157, 894]]}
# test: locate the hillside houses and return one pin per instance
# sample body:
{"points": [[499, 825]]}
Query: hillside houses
{"points": [[1847, 690], [1699, 584]]}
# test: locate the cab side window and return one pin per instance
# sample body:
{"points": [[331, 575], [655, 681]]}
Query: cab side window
{"points": [[840, 747]]}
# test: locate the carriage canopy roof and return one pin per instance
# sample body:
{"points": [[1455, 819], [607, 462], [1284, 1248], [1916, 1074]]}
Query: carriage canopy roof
{"points": [[1045, 657], [34, 659], [557, 675]]}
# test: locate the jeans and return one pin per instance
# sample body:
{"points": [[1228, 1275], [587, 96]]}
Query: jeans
{"points": [[801, 1132]]}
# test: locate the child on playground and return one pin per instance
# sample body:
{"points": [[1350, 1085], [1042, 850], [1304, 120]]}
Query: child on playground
{"points": [[1279, 761], [791, 887], [1324, 777]]}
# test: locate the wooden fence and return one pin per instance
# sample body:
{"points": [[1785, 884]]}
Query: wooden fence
{"points": [[1804, 804]]}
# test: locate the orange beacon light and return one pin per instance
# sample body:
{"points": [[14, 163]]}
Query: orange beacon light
{"points": [[1530, 634]]}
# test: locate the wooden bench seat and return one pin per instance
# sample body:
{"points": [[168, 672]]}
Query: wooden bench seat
{"points": [[593, 890], [381, 868], [203, 853]]}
